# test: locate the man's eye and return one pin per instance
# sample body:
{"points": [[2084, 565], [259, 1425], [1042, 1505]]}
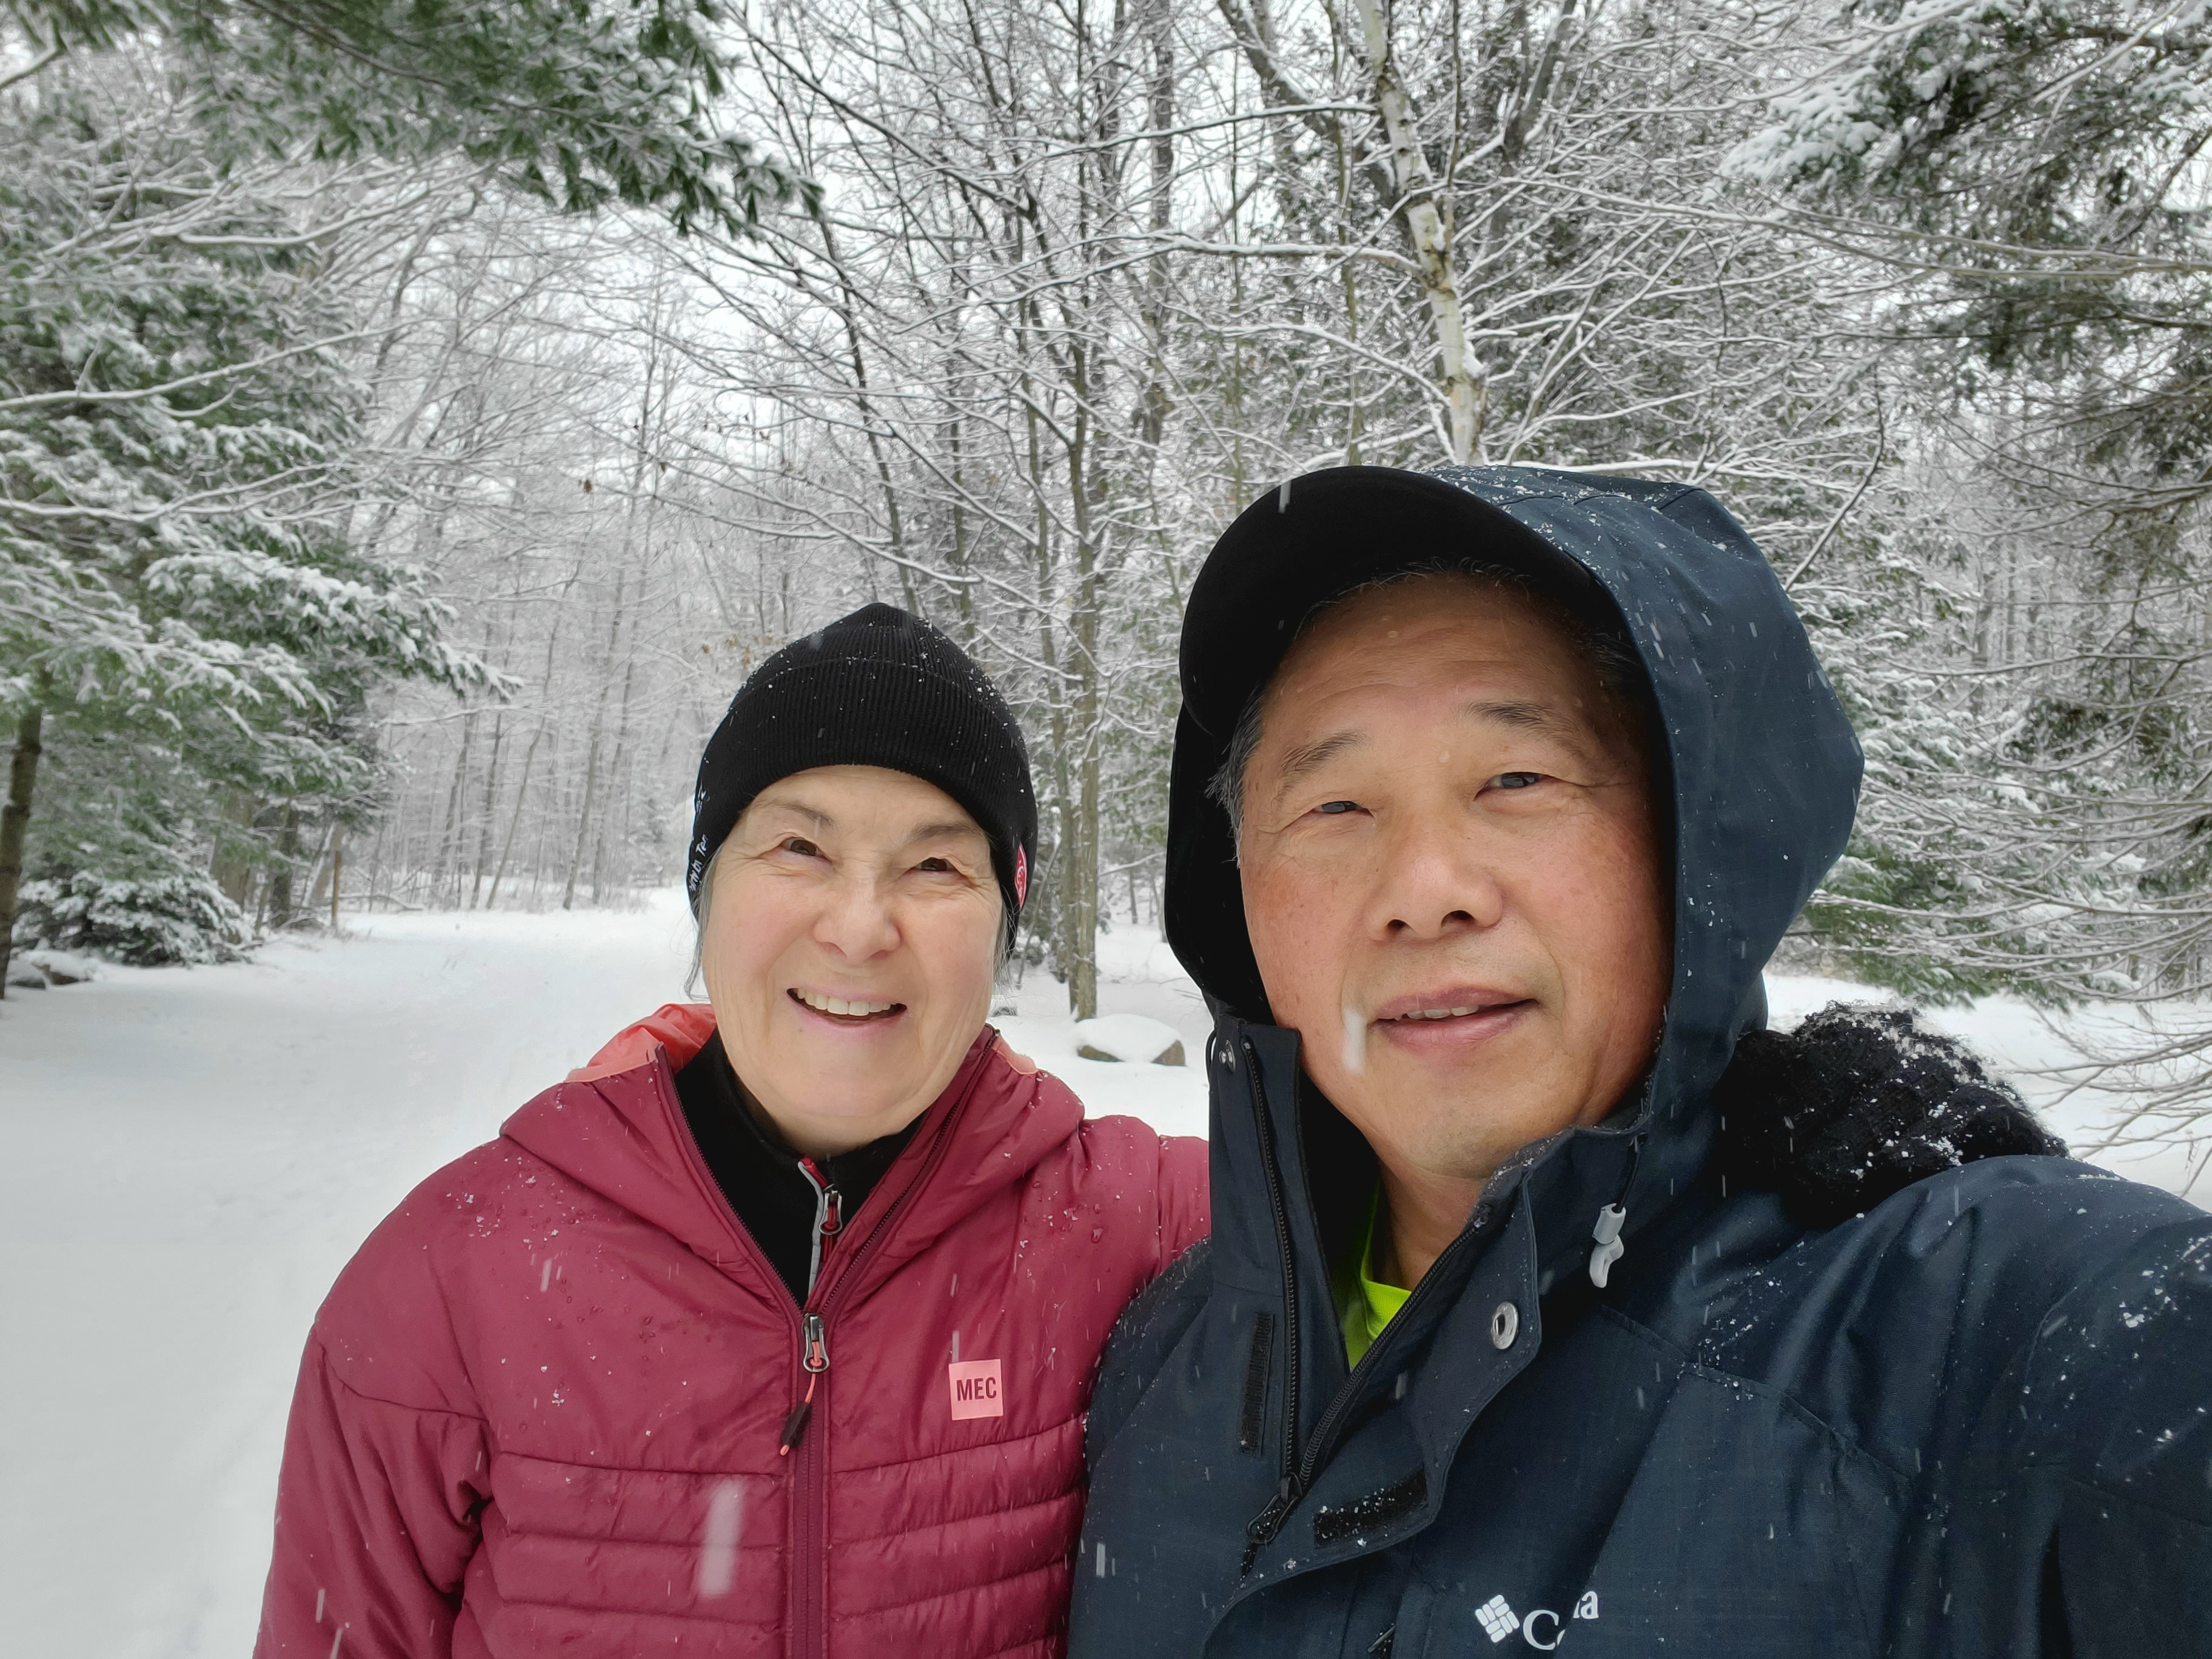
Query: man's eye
{"points": [[1333, 807], [1517, 780]]}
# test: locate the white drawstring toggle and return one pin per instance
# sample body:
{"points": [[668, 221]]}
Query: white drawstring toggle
{"points": [[1610, 1250]]}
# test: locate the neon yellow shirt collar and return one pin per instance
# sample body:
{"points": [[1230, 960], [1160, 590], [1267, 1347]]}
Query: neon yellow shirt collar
{"points": [[1364, 1303]]}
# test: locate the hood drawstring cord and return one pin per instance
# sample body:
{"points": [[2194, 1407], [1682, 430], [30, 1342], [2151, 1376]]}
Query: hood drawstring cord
{"points": [[1611, 1219]]}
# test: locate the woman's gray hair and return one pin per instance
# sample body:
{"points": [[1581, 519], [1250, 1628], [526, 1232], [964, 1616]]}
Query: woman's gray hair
{"points": [[699, 918]]}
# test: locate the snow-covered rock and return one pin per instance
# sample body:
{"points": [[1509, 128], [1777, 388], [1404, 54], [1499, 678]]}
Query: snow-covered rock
{"points": [[1128, 1036], [36, 970]]}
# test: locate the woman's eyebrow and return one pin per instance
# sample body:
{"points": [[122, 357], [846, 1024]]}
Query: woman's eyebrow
{"points": [[820, 819], [950, 826]]}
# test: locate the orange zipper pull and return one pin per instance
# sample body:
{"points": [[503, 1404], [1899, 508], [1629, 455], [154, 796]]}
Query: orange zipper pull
{"points": [[815, 1357]]}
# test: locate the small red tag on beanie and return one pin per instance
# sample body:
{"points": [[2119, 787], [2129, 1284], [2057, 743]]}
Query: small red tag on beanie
{"points": [[1021, 877]]}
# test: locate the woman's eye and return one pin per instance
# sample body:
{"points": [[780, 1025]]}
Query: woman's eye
{"points": [[1517, 780], [936, 866], [1333, 807], [800, 844]]}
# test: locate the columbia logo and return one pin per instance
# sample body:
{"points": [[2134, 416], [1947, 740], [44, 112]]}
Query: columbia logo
{"points": [[1542, 1630], [1498, 1618]]}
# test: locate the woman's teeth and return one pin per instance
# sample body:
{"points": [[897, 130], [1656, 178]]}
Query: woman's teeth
{"points": [[1435, 1013], [843, 1005]]}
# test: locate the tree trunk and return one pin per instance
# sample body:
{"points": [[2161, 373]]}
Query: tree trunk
{"points": [[453, 837], [893, 519], [233, 869], [1082, 889], [490, 809], [1428, 228], [521, 794], [337, 871], [322, 886], [14, 821], [281, 873]]}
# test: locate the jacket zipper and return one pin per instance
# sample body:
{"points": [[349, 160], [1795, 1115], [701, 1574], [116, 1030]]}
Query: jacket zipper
{"points": [[1297, 1474], [810, 1495], [828, 1217], [813, 1338], [1269, 1521]]}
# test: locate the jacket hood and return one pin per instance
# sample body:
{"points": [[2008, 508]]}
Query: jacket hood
{"points": [[614, 1126], [1762, 767]]}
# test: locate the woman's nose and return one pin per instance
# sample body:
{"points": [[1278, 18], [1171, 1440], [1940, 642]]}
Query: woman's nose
{"points": [[857, 923]]}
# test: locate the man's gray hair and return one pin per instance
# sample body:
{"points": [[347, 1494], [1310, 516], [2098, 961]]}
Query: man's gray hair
{"points": [[1603, 644]]}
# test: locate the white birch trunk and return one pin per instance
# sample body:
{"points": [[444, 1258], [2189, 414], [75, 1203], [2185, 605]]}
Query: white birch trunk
{"points": [[1427, 213]]}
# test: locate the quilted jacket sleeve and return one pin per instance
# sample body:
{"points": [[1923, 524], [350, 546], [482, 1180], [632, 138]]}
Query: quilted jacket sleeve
{"points": [[1186, 1213], [375, 1524]]}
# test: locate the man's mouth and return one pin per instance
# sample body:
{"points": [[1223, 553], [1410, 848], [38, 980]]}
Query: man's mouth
{"points": [[1473, 1011], [846, 1011], [1446, 1002]]}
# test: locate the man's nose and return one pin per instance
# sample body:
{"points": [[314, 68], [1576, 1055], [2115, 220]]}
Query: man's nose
{"points": [[1434, 882], [857, 923]]}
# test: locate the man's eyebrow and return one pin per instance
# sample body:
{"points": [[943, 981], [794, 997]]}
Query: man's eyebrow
{"points": [[1524, 716], [1306, 757]]}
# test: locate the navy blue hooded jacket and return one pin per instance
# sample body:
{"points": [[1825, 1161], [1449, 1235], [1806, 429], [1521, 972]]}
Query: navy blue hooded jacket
{"points": [[1879, 1371]]}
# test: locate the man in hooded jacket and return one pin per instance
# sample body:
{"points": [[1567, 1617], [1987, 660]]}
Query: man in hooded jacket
{"points": [[1798, 1344]]}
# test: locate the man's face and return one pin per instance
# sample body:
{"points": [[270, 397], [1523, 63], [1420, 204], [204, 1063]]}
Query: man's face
{"points": [[1451, 876]]}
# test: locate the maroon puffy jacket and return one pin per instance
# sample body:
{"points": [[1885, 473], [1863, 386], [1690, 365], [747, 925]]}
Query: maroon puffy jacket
{"points": [[540, 1411]]}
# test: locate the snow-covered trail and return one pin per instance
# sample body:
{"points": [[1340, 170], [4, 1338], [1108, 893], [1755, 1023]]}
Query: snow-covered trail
{"points": [[188, 1157]]}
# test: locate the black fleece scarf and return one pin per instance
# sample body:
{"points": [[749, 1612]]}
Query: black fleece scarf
{"points": [[760, 1175]]}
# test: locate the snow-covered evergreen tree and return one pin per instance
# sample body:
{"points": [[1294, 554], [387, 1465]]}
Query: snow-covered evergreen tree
{"points": [[187, 630]]}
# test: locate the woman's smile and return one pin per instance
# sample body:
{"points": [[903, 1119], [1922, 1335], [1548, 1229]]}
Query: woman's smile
{"points": [[846, 1013]]}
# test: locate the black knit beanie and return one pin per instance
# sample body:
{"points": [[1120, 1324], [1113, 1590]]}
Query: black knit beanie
{"points": [[879, 688]]}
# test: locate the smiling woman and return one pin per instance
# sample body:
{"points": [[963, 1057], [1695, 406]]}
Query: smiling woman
{"points": [[848, 931], [821, 1263]]}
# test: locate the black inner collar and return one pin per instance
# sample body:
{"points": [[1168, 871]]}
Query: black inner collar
{"points": [[759, 1174]]}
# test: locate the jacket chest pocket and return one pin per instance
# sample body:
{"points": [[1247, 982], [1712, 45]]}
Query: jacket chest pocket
{"points": [[1741, 1529]]}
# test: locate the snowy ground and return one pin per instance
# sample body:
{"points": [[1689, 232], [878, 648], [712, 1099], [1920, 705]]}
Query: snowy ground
{"points": [[187, 1156]]}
